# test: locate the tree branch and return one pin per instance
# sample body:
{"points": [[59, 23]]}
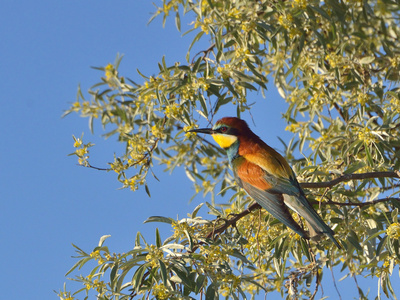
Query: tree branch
{"points": [[359, 204], [234, 219], [228, 222], [348, 177]]}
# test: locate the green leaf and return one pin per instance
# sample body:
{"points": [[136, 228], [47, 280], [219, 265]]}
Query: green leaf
{"points": [[138, 277], [247, 85], [183, 274], [147, 189], [163, 270], [367, 60], [354, 242], [203, 105], [196, 39], [102, 239], [159, 219], [178, 21], [113, 274], [236, 253], [320, 11], [213, 210], [158, 239], [190, 239], [196, 210], [211, 293]]}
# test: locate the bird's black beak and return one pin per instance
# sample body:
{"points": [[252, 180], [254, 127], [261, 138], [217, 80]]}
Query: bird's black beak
{"points": [[203, 130]]}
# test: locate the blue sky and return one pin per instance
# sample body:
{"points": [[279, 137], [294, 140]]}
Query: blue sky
{"points": [[48, 202]]}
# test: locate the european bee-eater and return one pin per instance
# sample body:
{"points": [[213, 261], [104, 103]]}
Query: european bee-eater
{"points": [[266, 176]]}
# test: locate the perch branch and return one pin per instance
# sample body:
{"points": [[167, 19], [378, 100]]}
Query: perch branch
{"points": [[348, 177], [359, 204]]}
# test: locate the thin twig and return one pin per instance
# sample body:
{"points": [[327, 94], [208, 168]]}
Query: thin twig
{"points": [[87, 165], [205, 52]]}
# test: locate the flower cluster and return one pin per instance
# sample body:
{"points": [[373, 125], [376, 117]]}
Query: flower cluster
{"points": [[134, 182], [111, 76], [81, 151], [173, 110], [362, 99], [393, 231], [98, 285], [395, 104], [100, 259], [367, 136], [154, 256], [158, 132], [160, 292], [181, 229], [137, 147], [189, 135], [203, 24], [200, 83], [213, 254], [229, 282], [293, 127], [286, 21]]}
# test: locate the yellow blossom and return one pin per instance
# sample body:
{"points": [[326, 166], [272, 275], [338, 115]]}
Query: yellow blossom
{"points": [[81, 152], [160, 292], [292, 127], [158, 132], [248, 26], [234, 13], [133, 182], [78, 142], [109, 71], [393, 231], [188, 135], [367, 136], [111, 75], [395, 104], [173, 110], [394, 61], [333, 59], [286, 21], [154, 255], [181, 228], [95, 254], [362, 98], [300, 4]]}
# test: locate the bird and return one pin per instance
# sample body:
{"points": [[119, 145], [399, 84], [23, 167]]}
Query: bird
{"points": [[266, 176]]}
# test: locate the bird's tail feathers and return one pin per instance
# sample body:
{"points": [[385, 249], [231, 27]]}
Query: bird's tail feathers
{"points": [[316, 225]]}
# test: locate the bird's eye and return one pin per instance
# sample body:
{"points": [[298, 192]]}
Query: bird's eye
{"points": [[223, 129]]}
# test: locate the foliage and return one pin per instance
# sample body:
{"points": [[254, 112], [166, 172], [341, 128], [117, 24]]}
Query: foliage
{"points": [[337, 64]]}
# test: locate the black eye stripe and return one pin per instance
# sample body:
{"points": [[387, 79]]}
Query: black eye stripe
{"points": [[228, 130]]}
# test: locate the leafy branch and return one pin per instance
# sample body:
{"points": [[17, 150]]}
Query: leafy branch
{"points": [[311, 185]]}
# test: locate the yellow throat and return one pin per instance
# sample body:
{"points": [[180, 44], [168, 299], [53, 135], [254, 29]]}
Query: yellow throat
{"points": [[224, 140]]}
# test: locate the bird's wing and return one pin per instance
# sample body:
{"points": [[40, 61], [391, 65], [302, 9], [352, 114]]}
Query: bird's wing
{"points": [[267, 177], [252, 178]]}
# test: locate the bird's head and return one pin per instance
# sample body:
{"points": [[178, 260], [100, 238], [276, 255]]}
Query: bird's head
{"points": [[226, 131]]}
